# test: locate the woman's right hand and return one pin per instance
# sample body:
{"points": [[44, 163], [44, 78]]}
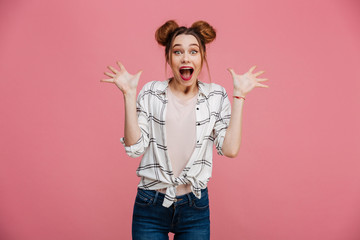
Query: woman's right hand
{"points": [[126, 82]]}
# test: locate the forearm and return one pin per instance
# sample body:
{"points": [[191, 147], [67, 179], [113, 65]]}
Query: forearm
{"points": [[132, 131], [232, 140], [243, 84]]}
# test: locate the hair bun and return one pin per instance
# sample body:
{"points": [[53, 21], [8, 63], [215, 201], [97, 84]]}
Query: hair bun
{"points": [[206, 31], [162, 33]]}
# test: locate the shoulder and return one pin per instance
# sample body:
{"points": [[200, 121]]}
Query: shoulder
{"points": [[211, 89], [155, 86], [153, 91]]}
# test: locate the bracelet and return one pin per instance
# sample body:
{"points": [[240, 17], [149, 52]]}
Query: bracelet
{"points": [[238, 97]]}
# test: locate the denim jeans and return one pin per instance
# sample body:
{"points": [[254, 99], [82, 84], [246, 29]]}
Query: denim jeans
{"points": [[188, 218]]}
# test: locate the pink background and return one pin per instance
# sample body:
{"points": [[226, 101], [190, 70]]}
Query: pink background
{"points": [[64, 174]]}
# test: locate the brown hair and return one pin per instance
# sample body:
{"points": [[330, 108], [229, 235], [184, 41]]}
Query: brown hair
{"points": [[201, 30]]}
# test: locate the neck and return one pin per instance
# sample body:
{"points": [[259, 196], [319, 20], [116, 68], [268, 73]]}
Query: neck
{"points": [[179, 89]]}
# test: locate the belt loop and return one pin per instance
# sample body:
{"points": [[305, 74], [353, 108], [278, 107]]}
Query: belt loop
{"points": [[155, 198], [190, 200]]}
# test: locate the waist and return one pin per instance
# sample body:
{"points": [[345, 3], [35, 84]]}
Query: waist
{"points": [[157, 197], [180, 190]]}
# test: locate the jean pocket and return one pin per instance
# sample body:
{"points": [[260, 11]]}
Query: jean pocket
{"points": [[142, 198], [202, 203]]}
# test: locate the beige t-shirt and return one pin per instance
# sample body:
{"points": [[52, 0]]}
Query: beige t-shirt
{"points": [[180, 134]]}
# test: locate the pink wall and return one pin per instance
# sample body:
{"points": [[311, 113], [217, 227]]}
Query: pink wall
{"points": [[64, 174]]}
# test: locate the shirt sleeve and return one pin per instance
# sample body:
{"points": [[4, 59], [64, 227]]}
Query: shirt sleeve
{"points": [[141, 145], [222, 122]]}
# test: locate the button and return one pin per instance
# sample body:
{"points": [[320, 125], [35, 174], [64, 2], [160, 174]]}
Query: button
{"points": [[197, 108], [198, 124], [197, 141]]}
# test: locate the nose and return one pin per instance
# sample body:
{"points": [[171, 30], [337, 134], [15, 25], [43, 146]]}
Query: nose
{"points": [[185, 57]]}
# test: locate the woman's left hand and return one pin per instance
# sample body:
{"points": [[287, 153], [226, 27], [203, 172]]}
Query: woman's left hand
{"points": [[243, 84]]}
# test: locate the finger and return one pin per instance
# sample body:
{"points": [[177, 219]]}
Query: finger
{"points": [[122, 68], [252, 69], [139, 73], [262, 85], [107, 80], [262, 79], [109, 74], [258, 73], [232, 72], [113, 69]]}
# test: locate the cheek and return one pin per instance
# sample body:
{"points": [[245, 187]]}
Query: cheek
{"points": [[199, 60], [174, 69], [175, 60], [199, 64]]}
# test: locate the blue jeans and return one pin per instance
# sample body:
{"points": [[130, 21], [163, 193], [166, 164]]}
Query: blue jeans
{"points": [[188, 218]]}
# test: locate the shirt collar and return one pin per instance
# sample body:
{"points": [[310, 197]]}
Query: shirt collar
{"points": [[165, 84]]}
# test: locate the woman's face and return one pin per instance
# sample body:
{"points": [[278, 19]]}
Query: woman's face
{"points": [[186, 59]]}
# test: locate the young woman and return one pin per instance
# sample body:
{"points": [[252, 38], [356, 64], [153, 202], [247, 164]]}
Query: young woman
{"points": [[174, 124]]}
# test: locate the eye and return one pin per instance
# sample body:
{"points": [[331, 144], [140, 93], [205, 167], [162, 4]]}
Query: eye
{"points": [[193, 52], [177, 52]]}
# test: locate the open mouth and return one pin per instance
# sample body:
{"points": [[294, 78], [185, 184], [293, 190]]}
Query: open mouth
{"points": [[186, 73]]}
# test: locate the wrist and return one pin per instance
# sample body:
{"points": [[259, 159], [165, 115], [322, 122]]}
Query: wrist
{"points": [[238, 93], [130, 95], [240, 99]]}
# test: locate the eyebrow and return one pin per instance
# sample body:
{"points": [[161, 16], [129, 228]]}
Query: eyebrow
{"points": [[193, 44]]}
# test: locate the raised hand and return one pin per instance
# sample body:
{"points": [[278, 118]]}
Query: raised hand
{"points": [[126, 82], [243, 84]]}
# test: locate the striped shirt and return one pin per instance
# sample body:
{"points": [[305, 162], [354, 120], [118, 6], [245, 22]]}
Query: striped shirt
{"points": [[213, 111]]}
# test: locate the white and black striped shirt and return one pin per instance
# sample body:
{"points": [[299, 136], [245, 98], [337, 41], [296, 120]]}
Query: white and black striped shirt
{"points": [[213, 112]]}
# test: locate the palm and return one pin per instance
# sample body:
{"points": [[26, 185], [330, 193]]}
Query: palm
{"points": [[248, 81], [125, 81]]}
